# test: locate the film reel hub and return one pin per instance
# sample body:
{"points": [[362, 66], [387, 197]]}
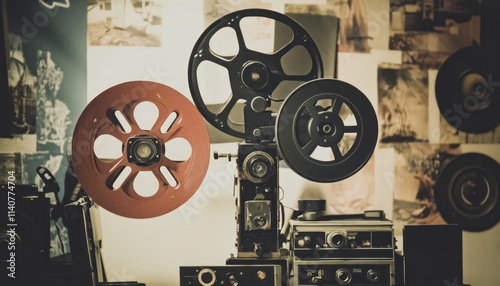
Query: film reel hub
{"points": [[144, 150], [117, 150], [255, 75], [474, 85], [326, 130]]}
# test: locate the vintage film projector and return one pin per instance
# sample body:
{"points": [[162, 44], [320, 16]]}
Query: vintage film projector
{"points": [[316, 115], [311, 115]]}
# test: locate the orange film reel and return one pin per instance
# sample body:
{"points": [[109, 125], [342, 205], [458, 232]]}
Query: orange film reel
{"points": [[140, 149]]}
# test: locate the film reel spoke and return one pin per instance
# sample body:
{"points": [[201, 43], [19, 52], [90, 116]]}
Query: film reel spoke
{"points": [[126, 184], [106, 167], [206, 54], [352, 129], [110, 128], [287, 48], [318, 143], [119, 119], [239, 34], [309, 147], [169, 122], [337, 154], [337, 106], [223, 116], [311, 108], [165, 178], [174, 130], [166, 123]]}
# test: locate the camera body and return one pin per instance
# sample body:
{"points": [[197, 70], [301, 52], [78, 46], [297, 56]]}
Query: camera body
{"points": [[258, 200]]}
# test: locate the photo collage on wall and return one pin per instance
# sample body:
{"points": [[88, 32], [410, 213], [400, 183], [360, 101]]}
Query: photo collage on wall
{"points": [[399, 78], [47, 92], [426, 33]]}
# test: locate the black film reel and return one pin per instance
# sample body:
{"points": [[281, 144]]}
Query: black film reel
{"points": [[253, 75], [466, 93], [467, 191], [326, 130]]}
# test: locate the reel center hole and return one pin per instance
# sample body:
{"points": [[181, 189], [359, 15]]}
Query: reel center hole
{"points": [[326, 129], [143, 150], [475, 92], [478, 89], [475, 191], [255, 75]]}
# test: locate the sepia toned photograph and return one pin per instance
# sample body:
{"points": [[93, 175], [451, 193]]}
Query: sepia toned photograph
{"points": [[402, 98], [428, 31], [449, 134], [215, 9], [22, 89], [416, 169], [362, 25], [125, 23]]}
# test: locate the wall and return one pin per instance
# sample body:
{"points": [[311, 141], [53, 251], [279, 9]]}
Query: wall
{"points": [[202, 231]]}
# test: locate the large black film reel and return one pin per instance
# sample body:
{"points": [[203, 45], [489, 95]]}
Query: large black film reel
{"points": [[467, 191], [326, 130], [254, 75], [467, 92]]}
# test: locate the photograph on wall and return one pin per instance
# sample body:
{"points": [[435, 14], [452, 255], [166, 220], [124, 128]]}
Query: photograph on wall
{"points": [[449, 135], [53, 111], [54, 59], [427, 31], [47, 79], [22, 89], [416, 168], [137, 23], [215, 9], [402, 100], [9, 162], [321, 22], [362, 25]]}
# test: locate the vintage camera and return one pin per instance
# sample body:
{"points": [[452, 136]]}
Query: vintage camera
{"points": [[343, 250]]}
